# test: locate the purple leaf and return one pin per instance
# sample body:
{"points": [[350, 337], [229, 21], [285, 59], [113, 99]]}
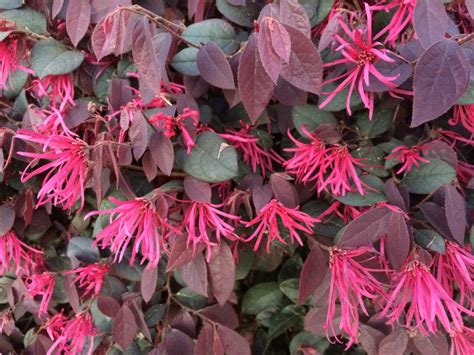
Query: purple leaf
{"points": [[148, 283], [305, 68], [327, 36], [101, 8], [124, 327], [162, 151], [56, 7], [288, 12], [395, 343], [430, 20], [436, 215], [194, 274], [284, 191], [214, 66], [365, 229], [177, 342], [108, 305], [180, 253], [197, 190], [234, 343], [313, 272], [255, 86], [7, 219], [149, 166], [222, 273], [288, 94], [77, 114], [455, 208], [397, 195], [138, 134], [268, 57], [370, 339], [261, 195], [208, 342], [440, 150], [78, 18], [470, 7], [431, 345], [441, 78], [185, 322], [224, 315], [398, 240]]}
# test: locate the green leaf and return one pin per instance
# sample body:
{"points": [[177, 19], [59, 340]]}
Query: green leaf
{"points": [[371, 196], [83, 249], [126, 271], [290, 289], [246, 260], [320, 343], [324, 7], [428, 177], [50, 57], [29, 19], [338, 103], [288, 317], [310, 116], [102, 84], [10, 4], [261, 297], [15, 83], [185, 62], [374, 160], [468, 97], [191, 299], [212, 159], [215, 30], [430, 240], [241, 15], [380, 123]]}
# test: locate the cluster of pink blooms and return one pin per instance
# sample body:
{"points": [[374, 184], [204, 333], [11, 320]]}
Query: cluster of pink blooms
{"points": [[324, 166], [421, 296], [401, 19], [408, 156], [464, 114], [15, 255]]}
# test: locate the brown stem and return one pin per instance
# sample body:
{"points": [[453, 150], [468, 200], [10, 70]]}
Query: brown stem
{"points": [[465, 39]]}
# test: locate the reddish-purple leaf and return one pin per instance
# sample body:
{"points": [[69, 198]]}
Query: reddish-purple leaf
{"points": [[305, 68], [261, 195], [78, 18], [288, 12], [197, 190], [441, 150], [71, 293], [327, 36], [284, 191], [255, 86], [398, 239], [234, 343], [436, 215], [124, 327], [140, 319], [177, 342], [455, 208], [268, 57], [288, 94], [101, 8], [430, 20], [148, 283], [181, 254], [280, 40], [214, 66], [149, 166], [370, 339], [224, 315], [441, 78], [7, 219], [161, 149], [397, 195], [208, 342], [365, 229], [185, 322], [77, 114], [108, 305], [194, 274], [56, 7], [395, 343], [313, 272], [431, 345], [470, 7], [316, 318], [222, 273], [138, 134]]}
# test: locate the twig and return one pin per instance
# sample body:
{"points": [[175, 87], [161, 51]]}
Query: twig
{"points": [[465, 39]]}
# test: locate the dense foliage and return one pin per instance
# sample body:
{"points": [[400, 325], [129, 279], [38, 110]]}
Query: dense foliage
{"points": [[236, 177]]}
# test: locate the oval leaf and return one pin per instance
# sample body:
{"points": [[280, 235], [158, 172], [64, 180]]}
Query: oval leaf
{"points": [[426, 178], [124, 327], [78, 18], [162, 152], [7, 219], [50, 57], [222, 273], [214, 66]]}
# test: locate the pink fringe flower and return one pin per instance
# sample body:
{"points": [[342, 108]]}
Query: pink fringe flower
{"points": [[267, 221], [64, 183], [422, 301], [141, 220], [184, 122], [351, 282], [15, 256], [465, 115], [11, 54], [402, 17], [55, 325], [58, 88], [90, 278], [53, 122], [252, 153], [360, 53], [42, 285], [462, 341], [408, 156], [74, 335], [456, 267], [345, 212], [201, 218]]}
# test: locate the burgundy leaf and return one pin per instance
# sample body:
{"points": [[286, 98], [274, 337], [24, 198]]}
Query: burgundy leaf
{"points": [[280, 40], [470, 7], [148, 283], [208, 342], [194, 274], [313, 272], [431, 345], [224, 315], [214, 66], [177, 342], [222, 273], [196, 190], [440, 150], [162, 151], [56, 7], [71, 293], [430, 20], [196, 9], [395, 343], [181, 254], [288, 12], [77, 114], [436, 215], [370, 339], [124, 327], [288, 94], [397, 195], [255, 86], [7, 219], [316, 318], [365, 229], [284, 191], [78, 18], [398, 239], [108, 305], [305, 68], [261, 195], [149, 166], [120, 93], [185, 322], [101, 8], [327, 36], [140, 319], [455, 208], [234, 343], [138, 134], [441, 78]]}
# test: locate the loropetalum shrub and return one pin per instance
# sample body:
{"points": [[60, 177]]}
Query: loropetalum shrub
{"points": [[236, 177]]}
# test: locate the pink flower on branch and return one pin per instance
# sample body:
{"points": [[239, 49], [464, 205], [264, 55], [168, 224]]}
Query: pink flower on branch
{"points": [[140, 220], [64, 183], [15, 255], [90, 278], [268, 222], [464, 114], [360, 54], [41, 285], [462, 341], [351, 283], [58, 88], [408, 156], [12, 51], [401, 19]]}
